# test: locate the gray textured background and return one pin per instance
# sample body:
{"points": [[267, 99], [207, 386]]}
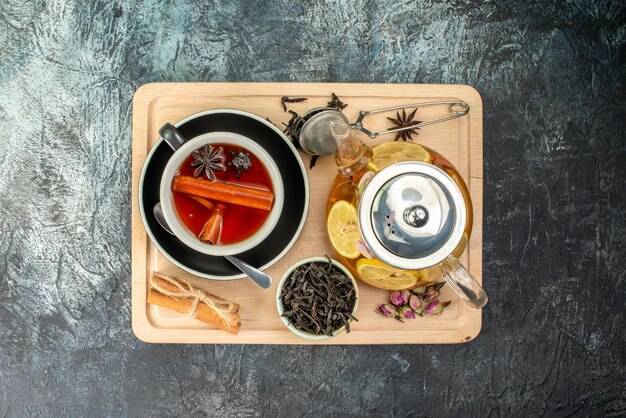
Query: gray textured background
{"points": [[553, 83]]}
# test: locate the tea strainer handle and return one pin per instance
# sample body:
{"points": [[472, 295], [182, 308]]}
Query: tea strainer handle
{"points": [[463, 283], [456, 109]]}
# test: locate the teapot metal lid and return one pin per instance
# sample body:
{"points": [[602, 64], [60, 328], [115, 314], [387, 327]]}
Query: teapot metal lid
{"points": [[412, 215]]}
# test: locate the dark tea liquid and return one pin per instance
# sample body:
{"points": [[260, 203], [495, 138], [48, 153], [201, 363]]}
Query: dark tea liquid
{"points": [[240, 222]]}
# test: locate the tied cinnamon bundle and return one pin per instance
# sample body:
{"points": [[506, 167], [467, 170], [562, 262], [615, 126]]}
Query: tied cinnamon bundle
{"points": [[178, 295]]}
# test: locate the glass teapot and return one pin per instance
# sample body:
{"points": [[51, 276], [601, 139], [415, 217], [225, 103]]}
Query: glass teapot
{"points": [[399, 215]]}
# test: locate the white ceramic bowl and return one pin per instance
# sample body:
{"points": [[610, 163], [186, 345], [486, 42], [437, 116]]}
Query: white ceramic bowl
{"points": [[281, 308], [167, 201]]}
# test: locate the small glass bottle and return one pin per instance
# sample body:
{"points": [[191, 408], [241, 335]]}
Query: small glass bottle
{"points": [[351, 154]]}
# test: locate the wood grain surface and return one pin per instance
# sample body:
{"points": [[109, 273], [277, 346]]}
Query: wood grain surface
{"points": [[460, 140]]}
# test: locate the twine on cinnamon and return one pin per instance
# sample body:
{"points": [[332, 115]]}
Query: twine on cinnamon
{"points": [[223, 308]]}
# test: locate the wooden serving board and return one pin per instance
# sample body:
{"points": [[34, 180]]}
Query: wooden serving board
{"points": [[460, 140]]}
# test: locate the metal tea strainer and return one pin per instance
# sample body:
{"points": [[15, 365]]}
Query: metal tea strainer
{"points": [[315, 136]]}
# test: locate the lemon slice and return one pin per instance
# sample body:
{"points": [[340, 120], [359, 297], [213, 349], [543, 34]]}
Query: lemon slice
{"points": [[390, 153], [384, 276], [428, 275], [342, 229]]}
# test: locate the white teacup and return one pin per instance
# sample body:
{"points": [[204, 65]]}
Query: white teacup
{"points": [[183, 148]]}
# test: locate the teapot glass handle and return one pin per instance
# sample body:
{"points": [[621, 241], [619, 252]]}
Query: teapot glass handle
{"points": [[463, 283]]}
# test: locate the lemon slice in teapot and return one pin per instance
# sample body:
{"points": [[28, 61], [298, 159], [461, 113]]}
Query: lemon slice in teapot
{"points": [[343, 230], [389, 153], [384, 276]]}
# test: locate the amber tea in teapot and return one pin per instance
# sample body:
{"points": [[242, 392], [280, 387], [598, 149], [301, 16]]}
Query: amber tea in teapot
{"points": [[399, 215]]}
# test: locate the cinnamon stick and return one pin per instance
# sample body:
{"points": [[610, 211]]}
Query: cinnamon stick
{"points": [[224, 192], [212, 229], [179, 296], [204, 202]]}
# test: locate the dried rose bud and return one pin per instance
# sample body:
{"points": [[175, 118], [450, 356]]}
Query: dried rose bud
{"points": [[415, 302], [388, 310], [406, 294], [420, 311], [406, 312], [419, 290], [363, 249], [431, 295], [438, 310], [434, 307], [396, 298]]}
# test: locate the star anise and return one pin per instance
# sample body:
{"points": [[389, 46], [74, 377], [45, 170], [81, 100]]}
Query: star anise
{"points": [[403, 120], [240, 161], [208, 159]]}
